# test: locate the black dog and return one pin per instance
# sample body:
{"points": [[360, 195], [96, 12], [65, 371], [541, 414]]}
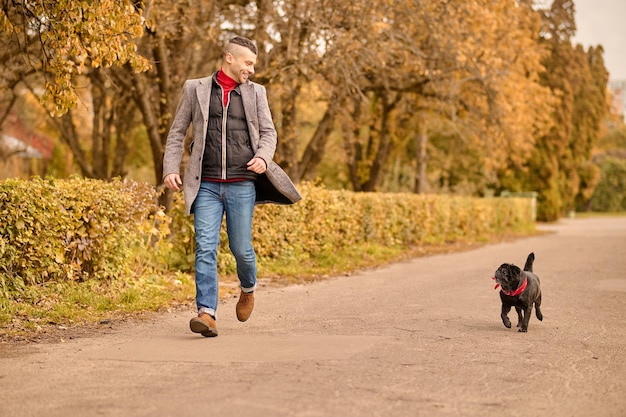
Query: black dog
{"points": [[520, 289]]}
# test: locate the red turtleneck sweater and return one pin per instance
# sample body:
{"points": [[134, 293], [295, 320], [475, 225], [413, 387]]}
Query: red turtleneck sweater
{"points": [[227, 84]]}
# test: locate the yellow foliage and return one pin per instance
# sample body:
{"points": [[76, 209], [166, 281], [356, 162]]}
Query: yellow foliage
{"points": [[80, 229], [70, 230], [329, 220], [74, 34]]}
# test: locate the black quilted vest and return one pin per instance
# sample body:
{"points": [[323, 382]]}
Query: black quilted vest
{"points": [[227, 153]]}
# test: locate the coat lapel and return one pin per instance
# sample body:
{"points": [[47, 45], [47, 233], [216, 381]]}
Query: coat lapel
{"points": [[203, 92], [249, 101]]}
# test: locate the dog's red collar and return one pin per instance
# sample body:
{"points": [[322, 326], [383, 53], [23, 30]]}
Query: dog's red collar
{"points": [[515, 292]]}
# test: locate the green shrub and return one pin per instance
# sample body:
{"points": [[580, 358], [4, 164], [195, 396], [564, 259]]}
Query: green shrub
{"points": [[326, 221], [610, 193], [77, 229]]}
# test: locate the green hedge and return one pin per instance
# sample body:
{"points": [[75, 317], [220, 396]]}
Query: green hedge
{"points": [[77, 229], [329, 220], [610, 194], [81, 229]]}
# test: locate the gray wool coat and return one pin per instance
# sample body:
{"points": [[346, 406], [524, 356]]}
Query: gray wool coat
{"points": [[274, 186]]}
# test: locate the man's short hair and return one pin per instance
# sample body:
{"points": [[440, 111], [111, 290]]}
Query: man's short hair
{"points": [[241, 41]]}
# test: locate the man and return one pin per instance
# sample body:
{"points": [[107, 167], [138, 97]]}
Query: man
{"points": [[229, 170]]}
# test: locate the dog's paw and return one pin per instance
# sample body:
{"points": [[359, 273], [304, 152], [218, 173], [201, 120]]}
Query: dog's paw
{"points": [[507, 324], [523, 330]]}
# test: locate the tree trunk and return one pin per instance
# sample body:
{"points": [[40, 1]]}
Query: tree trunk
{"points": [[143, 99], [288, 140], [314, 152], [420, 172], [70, 137], [353, 147], [382, 153]]}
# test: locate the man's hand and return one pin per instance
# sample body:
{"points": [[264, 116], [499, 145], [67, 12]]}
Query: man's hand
{"points": [[173, 182], [257, 165]]}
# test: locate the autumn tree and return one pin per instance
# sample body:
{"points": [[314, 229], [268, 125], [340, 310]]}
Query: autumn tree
{"points": [[488, 101], [54, 49], [468, 70], [59, 40], [590, 111], [181, 43], [560, 167], [610, 194], [120, 104], [416, 95]]}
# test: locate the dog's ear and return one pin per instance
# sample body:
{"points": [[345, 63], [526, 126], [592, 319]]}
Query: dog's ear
{"points": [[515, 270]]}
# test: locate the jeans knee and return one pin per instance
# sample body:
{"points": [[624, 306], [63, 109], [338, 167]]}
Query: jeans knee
{"points": [[246, 254]]}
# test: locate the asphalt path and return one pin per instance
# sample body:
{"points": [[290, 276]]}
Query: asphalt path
{"points": [[417, 338]]}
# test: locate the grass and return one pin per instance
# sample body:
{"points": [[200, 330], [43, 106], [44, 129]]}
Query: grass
{"points": [[361, 257], [332, 262], [36, 308], [589, 214]]}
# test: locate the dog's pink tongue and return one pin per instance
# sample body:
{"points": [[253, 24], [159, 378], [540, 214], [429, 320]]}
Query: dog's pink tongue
{"points": [[497, 285]]}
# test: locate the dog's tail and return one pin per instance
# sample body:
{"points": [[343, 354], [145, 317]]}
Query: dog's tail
{"points": [[529, 262]]}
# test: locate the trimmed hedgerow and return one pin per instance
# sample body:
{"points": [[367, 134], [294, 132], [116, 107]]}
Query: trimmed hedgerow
{"points": [[76, 229], [81, 229], [326, 221]]}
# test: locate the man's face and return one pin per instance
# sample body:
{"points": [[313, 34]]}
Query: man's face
{"points": [[239, 63]]}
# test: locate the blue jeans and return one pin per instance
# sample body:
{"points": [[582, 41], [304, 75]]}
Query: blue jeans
{"points": [[236, 200]]}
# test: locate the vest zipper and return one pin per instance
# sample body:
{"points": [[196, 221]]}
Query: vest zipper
{"points": [[224, 118]]}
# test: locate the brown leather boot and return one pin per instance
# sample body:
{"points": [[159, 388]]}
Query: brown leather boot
{"points": [[245, 305], [203, 324]]}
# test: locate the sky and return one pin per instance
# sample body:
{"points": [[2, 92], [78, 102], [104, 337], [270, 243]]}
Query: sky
{"points": [[603, 22]]}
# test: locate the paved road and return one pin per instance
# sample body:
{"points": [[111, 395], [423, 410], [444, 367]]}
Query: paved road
{"points": [[419, 338]]}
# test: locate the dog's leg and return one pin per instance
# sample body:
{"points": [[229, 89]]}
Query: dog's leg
{"points": [[505, 318], [538, 308], [527, 313], [519, 316]]}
